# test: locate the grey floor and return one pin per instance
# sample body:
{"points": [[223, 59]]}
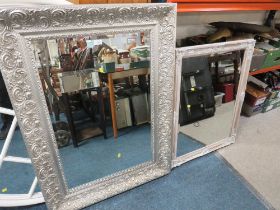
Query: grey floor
{"points": [[256, 154], [211, 130]]}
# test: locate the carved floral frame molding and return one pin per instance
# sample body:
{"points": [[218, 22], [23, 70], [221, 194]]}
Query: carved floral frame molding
{"points": [[208, 50], [18, 26]]}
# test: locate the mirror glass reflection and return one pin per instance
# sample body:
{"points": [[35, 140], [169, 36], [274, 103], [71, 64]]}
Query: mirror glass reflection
{"points": [[207, 98], [97, 89]]}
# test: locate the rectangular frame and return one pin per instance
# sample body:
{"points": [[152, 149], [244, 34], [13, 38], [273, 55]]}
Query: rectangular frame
{"points": [[18, 26], [212, 49]]}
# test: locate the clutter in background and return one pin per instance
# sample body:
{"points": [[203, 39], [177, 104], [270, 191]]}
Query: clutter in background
{"points": [[263, 89]]}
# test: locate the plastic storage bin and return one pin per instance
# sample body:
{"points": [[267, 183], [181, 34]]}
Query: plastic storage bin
{"points": [[218, 98]]}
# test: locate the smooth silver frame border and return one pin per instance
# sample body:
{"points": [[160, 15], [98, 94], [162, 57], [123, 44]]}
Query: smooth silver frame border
{"points": [[211, 49], [18, 26]]}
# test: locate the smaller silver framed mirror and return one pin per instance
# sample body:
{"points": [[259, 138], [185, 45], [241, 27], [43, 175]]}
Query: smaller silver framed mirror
{"points": [[210, 89]]}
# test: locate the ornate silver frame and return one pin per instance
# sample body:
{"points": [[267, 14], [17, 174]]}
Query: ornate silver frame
{"points": [[212, 49], [18, 26]]}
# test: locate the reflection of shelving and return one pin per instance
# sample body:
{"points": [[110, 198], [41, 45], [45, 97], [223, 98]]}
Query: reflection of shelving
{"points": [[261, 71], [225, 5]]}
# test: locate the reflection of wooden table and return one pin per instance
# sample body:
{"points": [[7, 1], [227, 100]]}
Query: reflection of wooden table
{"points": [[118, 75]]}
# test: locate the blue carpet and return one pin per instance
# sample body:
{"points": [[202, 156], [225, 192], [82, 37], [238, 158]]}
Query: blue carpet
{"points": [[99, 157], [186, 144], [16, 177], [204, 183]]}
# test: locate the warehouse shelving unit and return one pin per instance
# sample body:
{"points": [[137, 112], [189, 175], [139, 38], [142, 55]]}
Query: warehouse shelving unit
{"points": [[230, 6], [225, 5], [264, 70]]}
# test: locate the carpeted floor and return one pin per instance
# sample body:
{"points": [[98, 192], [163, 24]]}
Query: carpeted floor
{"points": [[255, 154], [93, 159], [205, 183]]}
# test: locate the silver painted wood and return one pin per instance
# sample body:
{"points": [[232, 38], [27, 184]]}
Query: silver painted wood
{"points": [[211, 49], [18, 26]]}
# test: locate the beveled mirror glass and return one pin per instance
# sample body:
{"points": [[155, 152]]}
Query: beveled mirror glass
{"points": [[93, 91], [210, 85], [82, 77]]}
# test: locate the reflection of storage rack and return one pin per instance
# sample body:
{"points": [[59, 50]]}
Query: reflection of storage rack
{"points": [[63, 104], [235, 58]]}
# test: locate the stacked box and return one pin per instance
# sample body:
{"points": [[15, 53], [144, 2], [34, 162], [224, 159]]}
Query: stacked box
{"points": [[254, 100], [271, 104], [140, 64], [255, 96], [257, 59], [273, 54], [251, 110], [227, 89], [107, 67], [274, 94]]}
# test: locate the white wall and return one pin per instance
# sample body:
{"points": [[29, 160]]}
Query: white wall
{"points": [[189, 24]]}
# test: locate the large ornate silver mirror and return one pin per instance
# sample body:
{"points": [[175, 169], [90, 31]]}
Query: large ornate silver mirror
{"points": [[210, 84], [93, 90]]}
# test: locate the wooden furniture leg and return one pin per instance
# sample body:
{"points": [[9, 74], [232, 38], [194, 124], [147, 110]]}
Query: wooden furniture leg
{"points": [[101, 111], [69, 117], [112, 104]]}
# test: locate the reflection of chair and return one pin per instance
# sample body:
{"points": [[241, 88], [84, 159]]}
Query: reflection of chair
{"points": [[88, 108], [65, 104], [9, 200]]}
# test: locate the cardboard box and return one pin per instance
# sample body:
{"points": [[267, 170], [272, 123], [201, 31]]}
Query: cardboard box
{"points": [[273, 54], [257, 82], [274, 94], [255, 96], [107, 67], [249, 111], [271, 104], [258, 59], [140, 64]]}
